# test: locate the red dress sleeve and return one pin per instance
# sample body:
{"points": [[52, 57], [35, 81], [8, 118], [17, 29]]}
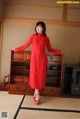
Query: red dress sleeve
{"points": [[50, 49], [25, 45]]}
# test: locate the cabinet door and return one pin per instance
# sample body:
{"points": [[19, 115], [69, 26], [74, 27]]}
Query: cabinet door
{"points": [[67, 79], [76, 81]]}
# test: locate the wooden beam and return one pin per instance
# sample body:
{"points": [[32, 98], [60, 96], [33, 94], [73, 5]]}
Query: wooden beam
{"points": [[64, 17], [54, 22], [39, 5], [27, 4]]}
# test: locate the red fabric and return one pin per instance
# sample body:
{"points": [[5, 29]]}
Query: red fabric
{"points": [[38, 62]]}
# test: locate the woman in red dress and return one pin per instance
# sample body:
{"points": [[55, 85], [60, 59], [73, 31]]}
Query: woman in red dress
{"points": [[38, 64]]}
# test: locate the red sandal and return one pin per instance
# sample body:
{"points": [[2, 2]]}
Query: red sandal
{"points": [[37, 101]]}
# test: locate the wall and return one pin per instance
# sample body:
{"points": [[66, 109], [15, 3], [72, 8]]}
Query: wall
{"points": [[1, 16], [63, 27]]}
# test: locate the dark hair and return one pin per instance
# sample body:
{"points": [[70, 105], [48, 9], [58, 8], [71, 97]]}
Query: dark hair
{"points": [[42, 24]]}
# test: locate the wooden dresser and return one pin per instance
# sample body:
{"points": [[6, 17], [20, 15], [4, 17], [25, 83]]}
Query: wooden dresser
{"points": [[19, 74]]}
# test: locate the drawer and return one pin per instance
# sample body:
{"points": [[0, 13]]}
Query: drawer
{"points": [[20, 79], [56, 58], [48, 89], [17, 87]]}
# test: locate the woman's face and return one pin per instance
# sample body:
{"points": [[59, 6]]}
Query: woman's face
{"points": [[39, 29]]}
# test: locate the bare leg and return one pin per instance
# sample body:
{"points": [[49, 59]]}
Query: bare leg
{"points": [[36, 91], [36, 94]]}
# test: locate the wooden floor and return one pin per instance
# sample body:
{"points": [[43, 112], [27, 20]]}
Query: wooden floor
{"points": [[23, 107]]}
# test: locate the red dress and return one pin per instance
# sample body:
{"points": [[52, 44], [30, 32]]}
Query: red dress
{"points": [[38, 64]]}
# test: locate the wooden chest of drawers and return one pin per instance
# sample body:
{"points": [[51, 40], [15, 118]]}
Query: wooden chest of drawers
{"points": [[19, 74]]}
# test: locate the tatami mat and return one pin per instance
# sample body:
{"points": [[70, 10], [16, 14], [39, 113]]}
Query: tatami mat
{"points": [[23, 107], [53, 103], [34, 114], [9, 103]]}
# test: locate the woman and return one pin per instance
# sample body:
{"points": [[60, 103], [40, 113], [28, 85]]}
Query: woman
{"points": [[38, 64]]}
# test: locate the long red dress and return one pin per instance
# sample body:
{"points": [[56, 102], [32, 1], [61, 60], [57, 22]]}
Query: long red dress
{"points": [[38, 62]]}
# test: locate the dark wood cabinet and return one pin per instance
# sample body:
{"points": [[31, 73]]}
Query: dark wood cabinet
{"points": [[19, 74], [71, 81]]}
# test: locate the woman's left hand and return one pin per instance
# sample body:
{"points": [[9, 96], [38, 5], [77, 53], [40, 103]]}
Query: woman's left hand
{"points": [[62, 53]]}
